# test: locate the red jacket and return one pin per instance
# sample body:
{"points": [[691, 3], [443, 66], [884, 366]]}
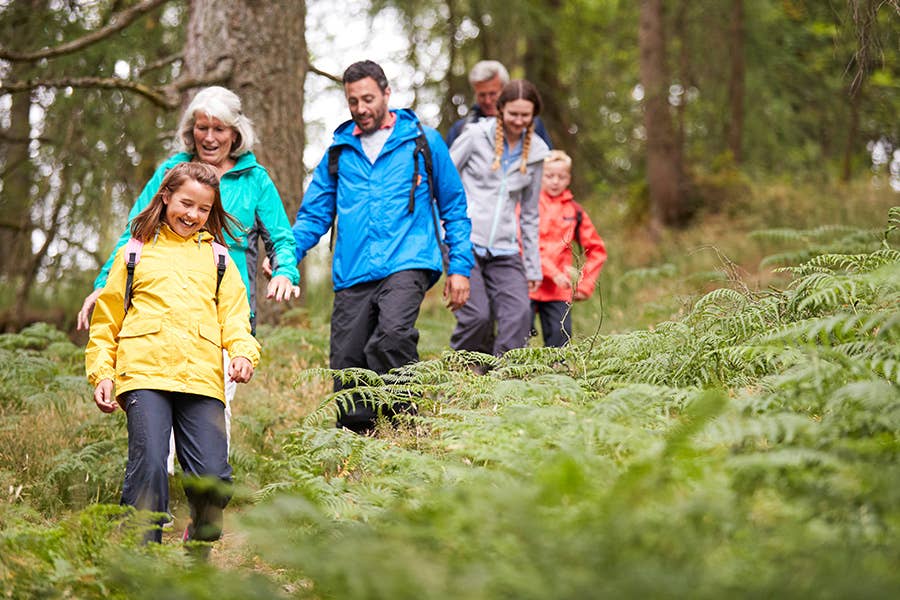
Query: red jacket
{"points": [[558, 221]]}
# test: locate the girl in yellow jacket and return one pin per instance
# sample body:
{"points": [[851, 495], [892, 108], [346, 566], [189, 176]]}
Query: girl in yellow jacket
{"points": [[158, 354]]}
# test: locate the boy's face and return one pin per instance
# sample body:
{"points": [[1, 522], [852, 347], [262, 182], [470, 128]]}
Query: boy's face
{"points": [[556, 178]]}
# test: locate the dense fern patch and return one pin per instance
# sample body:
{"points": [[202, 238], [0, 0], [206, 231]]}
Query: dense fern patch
{"points": [[748, 448]]}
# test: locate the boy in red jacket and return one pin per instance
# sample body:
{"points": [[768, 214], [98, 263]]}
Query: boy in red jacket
{"points": [[562, 222]]}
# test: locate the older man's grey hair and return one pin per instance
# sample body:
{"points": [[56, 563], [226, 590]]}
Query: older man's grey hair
{"points": [[219, 103], [485, 70]]}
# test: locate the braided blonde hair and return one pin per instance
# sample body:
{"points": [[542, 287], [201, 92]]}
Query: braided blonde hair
{"points": [[518, 89]]}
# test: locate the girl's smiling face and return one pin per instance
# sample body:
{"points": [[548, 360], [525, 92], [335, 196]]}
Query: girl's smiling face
{"points": [[188, 207], [517, 116]]}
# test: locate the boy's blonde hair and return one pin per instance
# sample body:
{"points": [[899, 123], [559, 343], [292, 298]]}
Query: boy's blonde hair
{"points": [[559, 156]]}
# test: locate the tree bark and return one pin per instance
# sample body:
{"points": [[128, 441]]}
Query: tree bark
{"points": [[17, 169], [265, 41], [664, 170]]}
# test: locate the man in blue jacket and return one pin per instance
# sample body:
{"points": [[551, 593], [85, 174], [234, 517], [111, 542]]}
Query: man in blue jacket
{"points": [[375, 186]]}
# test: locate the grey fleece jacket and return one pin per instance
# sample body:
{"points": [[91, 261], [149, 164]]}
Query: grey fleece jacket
{"points": [[492, 196]]}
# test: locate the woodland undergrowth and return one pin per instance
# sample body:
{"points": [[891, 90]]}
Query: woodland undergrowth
{"points": [[747, 447]]}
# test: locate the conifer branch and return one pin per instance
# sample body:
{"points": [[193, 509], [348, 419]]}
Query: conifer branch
{"points": [[117, 23]]}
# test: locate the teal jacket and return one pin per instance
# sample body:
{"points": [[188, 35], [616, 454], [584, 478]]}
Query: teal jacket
{"points": [[250, 196]]}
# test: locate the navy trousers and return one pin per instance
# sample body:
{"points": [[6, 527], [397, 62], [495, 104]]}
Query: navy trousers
{"points": [[373, 327], [198, 423], [498, 295], [556, 322]]}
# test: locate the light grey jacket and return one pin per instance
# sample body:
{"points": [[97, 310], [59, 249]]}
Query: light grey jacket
{"points": [[492, 196]]}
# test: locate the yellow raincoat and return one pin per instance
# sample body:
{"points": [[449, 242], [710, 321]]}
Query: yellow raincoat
{"points": [[173, 335]]}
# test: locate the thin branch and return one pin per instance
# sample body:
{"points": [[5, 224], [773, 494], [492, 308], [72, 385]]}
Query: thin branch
{"points": [[117, 23], [156, 96], [221, 74], [163, 62], [334, 78], [167, 96]]}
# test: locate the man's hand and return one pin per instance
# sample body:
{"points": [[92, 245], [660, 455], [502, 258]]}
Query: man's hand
{"points": [[103, 396], [456, 291], [240, 370], [280, 288], [84, 315]]}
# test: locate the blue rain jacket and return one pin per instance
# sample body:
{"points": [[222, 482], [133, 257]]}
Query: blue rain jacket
{"points": [[376, 235]]}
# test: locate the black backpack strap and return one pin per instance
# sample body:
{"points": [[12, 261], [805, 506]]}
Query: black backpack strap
{"points": [[579, 215], [334, 160], [424, 149], [129, 281], [220, 273], [334, 157]]}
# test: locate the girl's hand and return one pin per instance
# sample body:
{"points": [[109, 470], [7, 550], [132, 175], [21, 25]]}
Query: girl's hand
{"points": [[240, 370], [579, 296], [84, 315], [280, 288], [103, 396]]}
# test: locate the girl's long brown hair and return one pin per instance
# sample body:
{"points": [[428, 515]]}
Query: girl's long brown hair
{"points": [[144, 226], [517, 89]]}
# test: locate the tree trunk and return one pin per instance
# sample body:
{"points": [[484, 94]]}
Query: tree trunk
{"points": [[664, 169], [542, 68], [735, 129], [15, 163], [265, 41]]}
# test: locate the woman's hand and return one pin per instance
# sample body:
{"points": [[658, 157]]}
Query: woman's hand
{"points": [[87, 307], [534, 285], [240, 370], [103, 396], [280, 288]]}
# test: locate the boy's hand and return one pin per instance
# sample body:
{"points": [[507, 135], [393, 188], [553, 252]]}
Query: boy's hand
{"points": [[562, 280], [103, 396], [240, 370]]}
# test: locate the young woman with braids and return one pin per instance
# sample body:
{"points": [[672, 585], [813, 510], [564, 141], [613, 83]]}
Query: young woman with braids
{"points": [[500, 162]]}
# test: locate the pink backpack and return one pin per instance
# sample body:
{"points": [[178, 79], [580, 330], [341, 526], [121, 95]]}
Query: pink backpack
{"points": [[133, 257]]}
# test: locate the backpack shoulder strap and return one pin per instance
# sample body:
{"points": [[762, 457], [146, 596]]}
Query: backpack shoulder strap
{"points": [[220, 254], [334, 161], [334, 158], [579, 215], [424, 149], [132, 258]]}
